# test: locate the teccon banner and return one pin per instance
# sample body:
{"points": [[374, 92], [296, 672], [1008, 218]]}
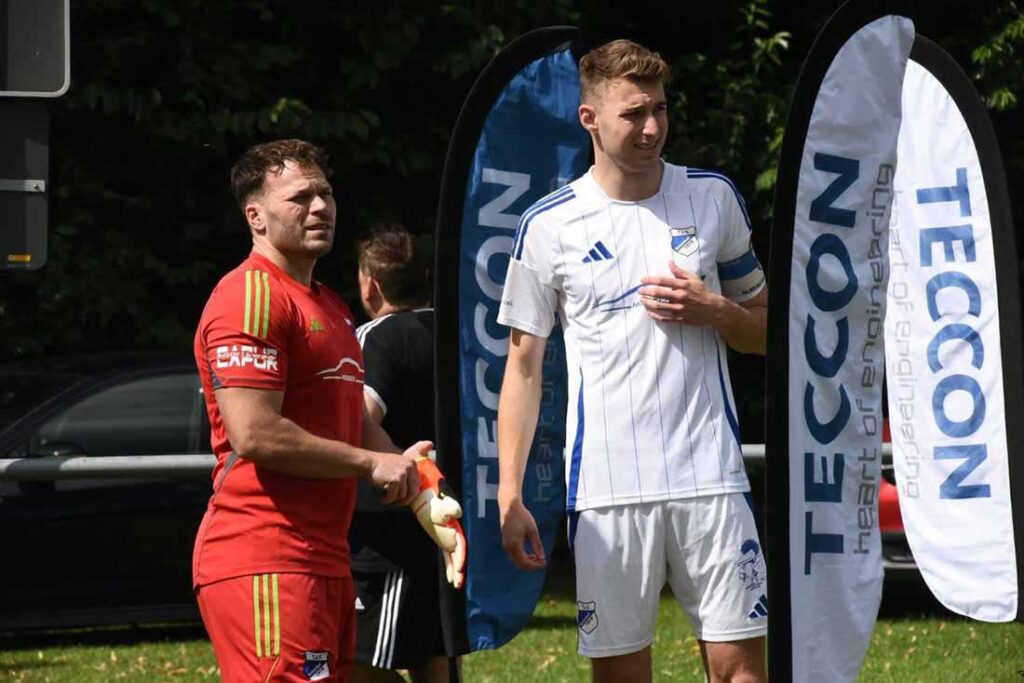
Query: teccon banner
{"points": [[518, 138], [829, 276], [893, 232], [953, 344]]}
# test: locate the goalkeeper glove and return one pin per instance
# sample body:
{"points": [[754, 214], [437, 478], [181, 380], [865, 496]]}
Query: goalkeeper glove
{"points": [[438, 514]]}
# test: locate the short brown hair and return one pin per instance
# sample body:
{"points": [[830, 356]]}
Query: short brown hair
{"points": [[388, 254], [620, 59], [250, 172]]}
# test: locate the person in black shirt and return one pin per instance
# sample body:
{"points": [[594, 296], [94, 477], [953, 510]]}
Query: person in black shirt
{"points": [[394, 563]]}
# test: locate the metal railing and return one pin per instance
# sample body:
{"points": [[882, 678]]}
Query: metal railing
{"points": [[52, 467], [47, 468]]}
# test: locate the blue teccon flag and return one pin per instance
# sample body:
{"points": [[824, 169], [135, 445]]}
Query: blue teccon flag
{"points": [[517, 138]]}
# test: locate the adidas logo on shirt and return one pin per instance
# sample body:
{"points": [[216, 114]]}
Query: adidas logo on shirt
{"points": [[598, 252]]}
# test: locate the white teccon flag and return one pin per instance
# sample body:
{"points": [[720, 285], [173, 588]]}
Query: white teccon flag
{"points": [[829, 276], [953, 312]]}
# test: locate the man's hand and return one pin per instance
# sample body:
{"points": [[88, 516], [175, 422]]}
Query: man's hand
{"points": [[517, 529], [396, 475], [683, 298], [438, 514]]}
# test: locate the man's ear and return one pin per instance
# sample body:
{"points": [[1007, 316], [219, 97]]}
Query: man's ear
{"points": [[375, 288], [364, 283], [254, 217], [588, 117], [369, 288]]}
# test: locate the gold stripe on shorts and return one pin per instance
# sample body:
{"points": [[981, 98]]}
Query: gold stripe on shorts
{"points": [[266, 610]]}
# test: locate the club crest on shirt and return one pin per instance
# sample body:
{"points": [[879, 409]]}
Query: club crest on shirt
{"points": [[684, 240], [750, 566], [586, 616], [315, 668]]}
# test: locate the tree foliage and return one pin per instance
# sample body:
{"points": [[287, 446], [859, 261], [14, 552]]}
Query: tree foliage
{"points": [[166, 94]]}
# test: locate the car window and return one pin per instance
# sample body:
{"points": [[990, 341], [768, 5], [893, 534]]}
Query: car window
{"points": [[22, 391], [160, 415]]}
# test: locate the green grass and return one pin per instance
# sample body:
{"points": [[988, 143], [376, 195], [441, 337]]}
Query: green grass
{"points": [[930, 649], [186, 660]]}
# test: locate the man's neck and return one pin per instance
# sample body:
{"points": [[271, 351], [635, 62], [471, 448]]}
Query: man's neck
{"points": [[387, 308], [627, 187], [300, 269]]}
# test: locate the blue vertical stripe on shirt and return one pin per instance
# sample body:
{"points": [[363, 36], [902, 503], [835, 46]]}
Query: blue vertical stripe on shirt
{"points": [[577, 451], [725, 397]]}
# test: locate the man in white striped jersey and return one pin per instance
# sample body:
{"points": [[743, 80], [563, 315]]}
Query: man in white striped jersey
{"points": [[649, 269]]}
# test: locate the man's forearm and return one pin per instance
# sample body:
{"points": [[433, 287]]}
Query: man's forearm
{"points": [[282, 446], [375, 438], [744, 329], [517, 421]]}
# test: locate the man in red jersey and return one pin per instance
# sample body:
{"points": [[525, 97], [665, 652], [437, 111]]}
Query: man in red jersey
{"points": [[282, 373]]}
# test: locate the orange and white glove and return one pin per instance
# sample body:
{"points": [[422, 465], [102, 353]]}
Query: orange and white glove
{"points": [[438, 514]]}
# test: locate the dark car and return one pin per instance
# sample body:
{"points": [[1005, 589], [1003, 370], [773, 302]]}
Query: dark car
{"points": [[93, 551], [100, 551], [901, 571]]}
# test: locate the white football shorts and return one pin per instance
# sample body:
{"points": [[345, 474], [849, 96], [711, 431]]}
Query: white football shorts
{"points": [[705, 548]]}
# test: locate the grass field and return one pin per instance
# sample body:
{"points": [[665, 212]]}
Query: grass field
{"points": [[905, 648]]}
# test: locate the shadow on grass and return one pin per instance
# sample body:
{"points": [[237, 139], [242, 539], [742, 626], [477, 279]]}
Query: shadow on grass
{"points": [[540, 622], [28, 662], [115, 635], [911, 599]]}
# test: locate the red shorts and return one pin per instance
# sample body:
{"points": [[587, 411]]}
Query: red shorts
{"points": [[283, 628]]}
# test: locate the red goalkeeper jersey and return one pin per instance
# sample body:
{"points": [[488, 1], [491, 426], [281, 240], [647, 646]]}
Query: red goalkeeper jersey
{"points": [[261, 329]]}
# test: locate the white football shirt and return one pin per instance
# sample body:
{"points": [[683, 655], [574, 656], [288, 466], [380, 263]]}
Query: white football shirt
{"points": [[650, 414]]}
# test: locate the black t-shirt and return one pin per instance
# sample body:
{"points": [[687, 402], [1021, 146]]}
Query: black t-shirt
{"points": [[398, 358]]}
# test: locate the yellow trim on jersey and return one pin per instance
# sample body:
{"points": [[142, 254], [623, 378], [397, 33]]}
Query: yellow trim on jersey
{"points": [[248, 301], [257, 300], [266, 305], [266, 612], [256, 321]]}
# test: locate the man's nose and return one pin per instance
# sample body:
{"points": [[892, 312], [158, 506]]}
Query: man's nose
{"points": [[652, 126], [319, 204]]}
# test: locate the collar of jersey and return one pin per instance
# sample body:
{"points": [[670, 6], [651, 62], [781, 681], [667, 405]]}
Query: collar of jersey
{"points": [[596, 188], [282, 275]]}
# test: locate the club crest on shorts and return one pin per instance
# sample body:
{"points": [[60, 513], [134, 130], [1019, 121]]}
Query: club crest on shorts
{"points": [[315, 667], [750, 566], [684, 240], [586, 616]]}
